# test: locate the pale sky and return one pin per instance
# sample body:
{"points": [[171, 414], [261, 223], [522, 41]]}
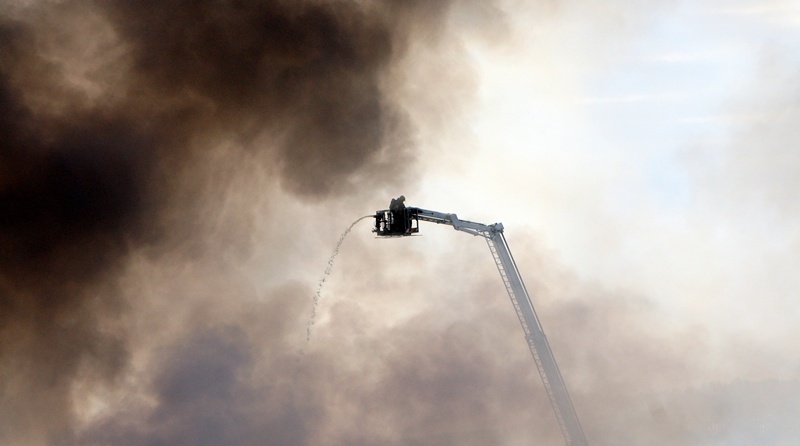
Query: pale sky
{"points": [[653, 150]]}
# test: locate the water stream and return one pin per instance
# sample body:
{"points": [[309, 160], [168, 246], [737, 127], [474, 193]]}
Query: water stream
{"points": [[313, 319]]}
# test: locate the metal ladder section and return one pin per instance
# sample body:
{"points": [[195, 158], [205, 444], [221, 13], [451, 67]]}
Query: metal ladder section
{"points": [[534, 335]]}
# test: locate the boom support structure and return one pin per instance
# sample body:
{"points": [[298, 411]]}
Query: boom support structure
{"points": [[390, 223]]}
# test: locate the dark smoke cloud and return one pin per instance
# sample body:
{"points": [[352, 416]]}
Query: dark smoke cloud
{"points": [[72, 196], [308, 72], [100, 164]]}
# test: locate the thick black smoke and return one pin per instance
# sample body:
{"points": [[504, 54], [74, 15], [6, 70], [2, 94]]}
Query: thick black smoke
{"points": [[73, 194], [307, 72], [96, 165]]}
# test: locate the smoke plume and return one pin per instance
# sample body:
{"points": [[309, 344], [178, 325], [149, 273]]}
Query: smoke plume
{"points": [[118, 121], [173, 175]]}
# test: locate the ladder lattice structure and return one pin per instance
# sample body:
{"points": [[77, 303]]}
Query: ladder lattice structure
{"points": [[536, 339], [520, 299]]}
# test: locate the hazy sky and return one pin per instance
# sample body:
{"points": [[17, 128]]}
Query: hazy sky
{"points": [[175, 174], [650, 146]]}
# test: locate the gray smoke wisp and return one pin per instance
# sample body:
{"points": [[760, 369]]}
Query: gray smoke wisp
{"points": [[318, 293]]}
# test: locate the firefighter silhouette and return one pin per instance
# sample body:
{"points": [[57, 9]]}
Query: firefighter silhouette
{"points": [[398, 210]]}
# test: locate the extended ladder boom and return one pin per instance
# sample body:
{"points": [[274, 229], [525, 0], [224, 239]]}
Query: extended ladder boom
{"points": [[391, 223]]}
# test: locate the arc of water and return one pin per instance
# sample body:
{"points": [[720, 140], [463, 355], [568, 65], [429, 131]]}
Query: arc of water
{"points": [[318, 294]]}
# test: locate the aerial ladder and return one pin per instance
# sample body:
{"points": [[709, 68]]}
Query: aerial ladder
{"points": [[398, 221]]}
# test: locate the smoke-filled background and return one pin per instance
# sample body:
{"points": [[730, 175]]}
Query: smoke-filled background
{"points": [[175, 174]]}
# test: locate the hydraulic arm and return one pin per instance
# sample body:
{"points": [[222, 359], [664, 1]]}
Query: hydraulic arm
{"points": [[401, 221]]}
